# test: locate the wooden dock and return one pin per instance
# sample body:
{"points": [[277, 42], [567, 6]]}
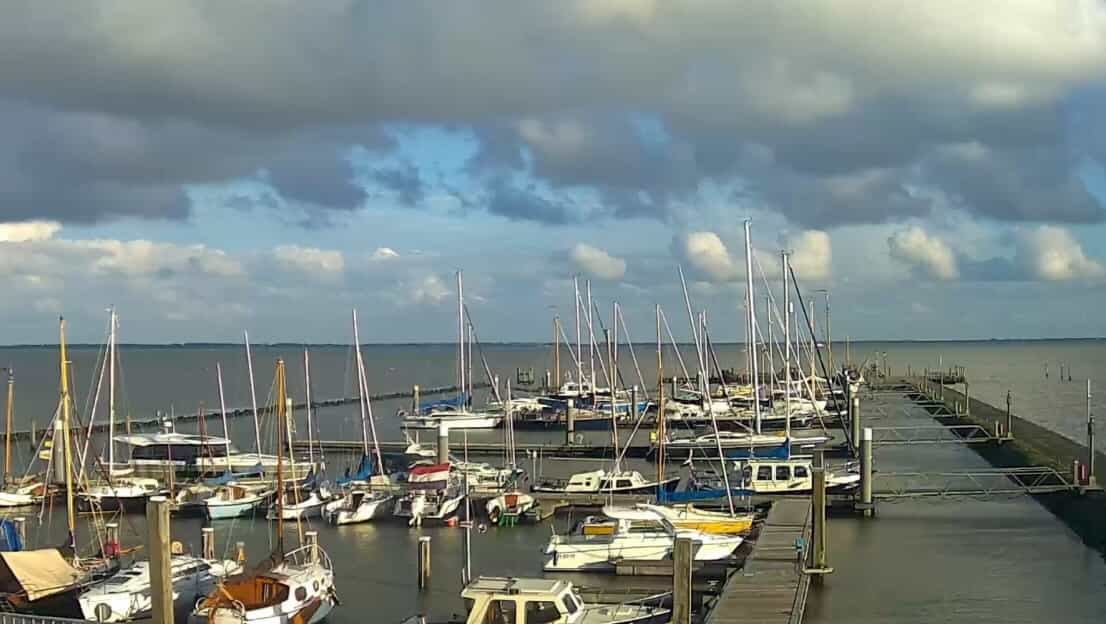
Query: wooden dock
{"points": [[772, 587]]}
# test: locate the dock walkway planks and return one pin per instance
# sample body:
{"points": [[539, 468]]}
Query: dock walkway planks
{"points": [[771, 588]]}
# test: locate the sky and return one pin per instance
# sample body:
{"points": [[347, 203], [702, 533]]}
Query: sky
{"points": [[209, 167]]}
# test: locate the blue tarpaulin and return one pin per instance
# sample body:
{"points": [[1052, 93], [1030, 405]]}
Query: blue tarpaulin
{"points": [[782, 451], [9, 537], [227, 477], [688, 496], [457, 401]]}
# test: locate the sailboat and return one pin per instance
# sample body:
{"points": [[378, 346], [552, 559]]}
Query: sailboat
{"points": [[368, 494], [458, 414], [295, 587]]}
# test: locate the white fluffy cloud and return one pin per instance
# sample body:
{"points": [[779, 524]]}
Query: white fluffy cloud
{"points": [[596, 262], [917, 248], [811, 254], [1051, 253], [310, 261], [706, 252], [428, 290], [383, 253], [28, 231]]}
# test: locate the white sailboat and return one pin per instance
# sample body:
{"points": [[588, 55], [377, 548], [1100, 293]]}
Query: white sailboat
{"points": [[126, 596], [297, 589]]}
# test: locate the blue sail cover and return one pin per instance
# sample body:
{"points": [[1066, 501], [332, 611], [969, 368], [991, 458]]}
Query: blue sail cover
{"points": [[227, 477], [782, 451], [690, 496], [458, 401], [364, 471], [9, 537]]}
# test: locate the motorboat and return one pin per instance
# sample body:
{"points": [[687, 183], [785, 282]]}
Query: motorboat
{"points": [[492, 599], [360, 505], [601, 481], [234, 500], [598, 543], [776, 477], [127, 595], [509, 505], [127, 494], [298, 589]]}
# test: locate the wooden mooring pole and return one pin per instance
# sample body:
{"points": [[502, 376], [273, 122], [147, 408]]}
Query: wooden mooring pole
{"points": [[867, 506], [161, 581], [424, 561], [682, 555], [818, 516]]}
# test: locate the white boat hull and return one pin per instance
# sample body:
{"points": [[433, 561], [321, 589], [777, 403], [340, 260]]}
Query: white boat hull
{"points": [[366, 511], [475, 421], [9, 499]]}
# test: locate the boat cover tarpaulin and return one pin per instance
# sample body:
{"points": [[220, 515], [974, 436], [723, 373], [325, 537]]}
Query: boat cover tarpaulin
{"points": [[9, 537], [782, 451], [460, 400], [429, 474], [688, 496], [364, 471], [38, 573]]}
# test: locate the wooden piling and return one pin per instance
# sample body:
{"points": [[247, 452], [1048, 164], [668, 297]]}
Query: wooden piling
{"points": [[443, 444], [818, 502], [161, 582], [681, 580], [570, 422], [854, 419], [207, 543], [1009, 415], [424, 561]]}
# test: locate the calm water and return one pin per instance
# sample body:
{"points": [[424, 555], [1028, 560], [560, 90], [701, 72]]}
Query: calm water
{"points": [[996, 561]]}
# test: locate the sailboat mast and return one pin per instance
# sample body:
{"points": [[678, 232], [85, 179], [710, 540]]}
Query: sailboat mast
{"points": [[361, 389], [468, 360], [752, 324], [787, 342], [770, 344], [579, 353], [66, 449], [111, 394], [282, 414], [612, 347], [9, 416], [223, 411], [253, 398], [307, 386], [661, 433], [591, 340], [557, 352], [461, 340]]}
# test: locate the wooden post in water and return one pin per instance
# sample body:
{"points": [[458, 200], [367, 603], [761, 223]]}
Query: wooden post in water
{"points": [[866, 460], [424, 561], [681, 580], [570, 422], [818, 502], [415, 400], [1009, 415], [207, 543], [967, 398], [1090, 438], [161, 582]]}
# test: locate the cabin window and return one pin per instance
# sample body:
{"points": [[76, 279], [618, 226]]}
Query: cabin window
{"points": [[624, 483], [500, 612], [541, 612], [764, 473], [301, 594], [800, 472], [783, 473], [570, 604]]}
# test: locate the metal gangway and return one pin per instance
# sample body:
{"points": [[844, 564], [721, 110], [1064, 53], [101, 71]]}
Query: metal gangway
{"points": [[932, 434], [978, 483]]}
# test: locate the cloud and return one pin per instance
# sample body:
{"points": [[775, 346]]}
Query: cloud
{"points": [[381, 254], [811, 254], [24, 231], [310, 261], [706, 253], [1052, 254], [428, 290], [917, 248], [597, 263]]}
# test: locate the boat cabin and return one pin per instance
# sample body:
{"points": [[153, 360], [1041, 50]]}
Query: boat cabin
{"points": [[498, 600]]}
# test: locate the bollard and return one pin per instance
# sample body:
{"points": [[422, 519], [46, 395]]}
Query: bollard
{"points": [[240, 552], [424, 561], [443, 444], [21, 529], [854, 418], [866, 469], [207, 543], [570, 422], [161, 583], [818, 502], [681, 580], [312, 541]]}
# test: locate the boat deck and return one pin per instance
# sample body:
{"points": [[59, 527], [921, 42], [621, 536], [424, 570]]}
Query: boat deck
{"points": [[772, 587]]}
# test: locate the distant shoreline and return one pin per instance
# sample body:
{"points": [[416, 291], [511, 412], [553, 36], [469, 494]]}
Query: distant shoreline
{"points": [[324, 345]]}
